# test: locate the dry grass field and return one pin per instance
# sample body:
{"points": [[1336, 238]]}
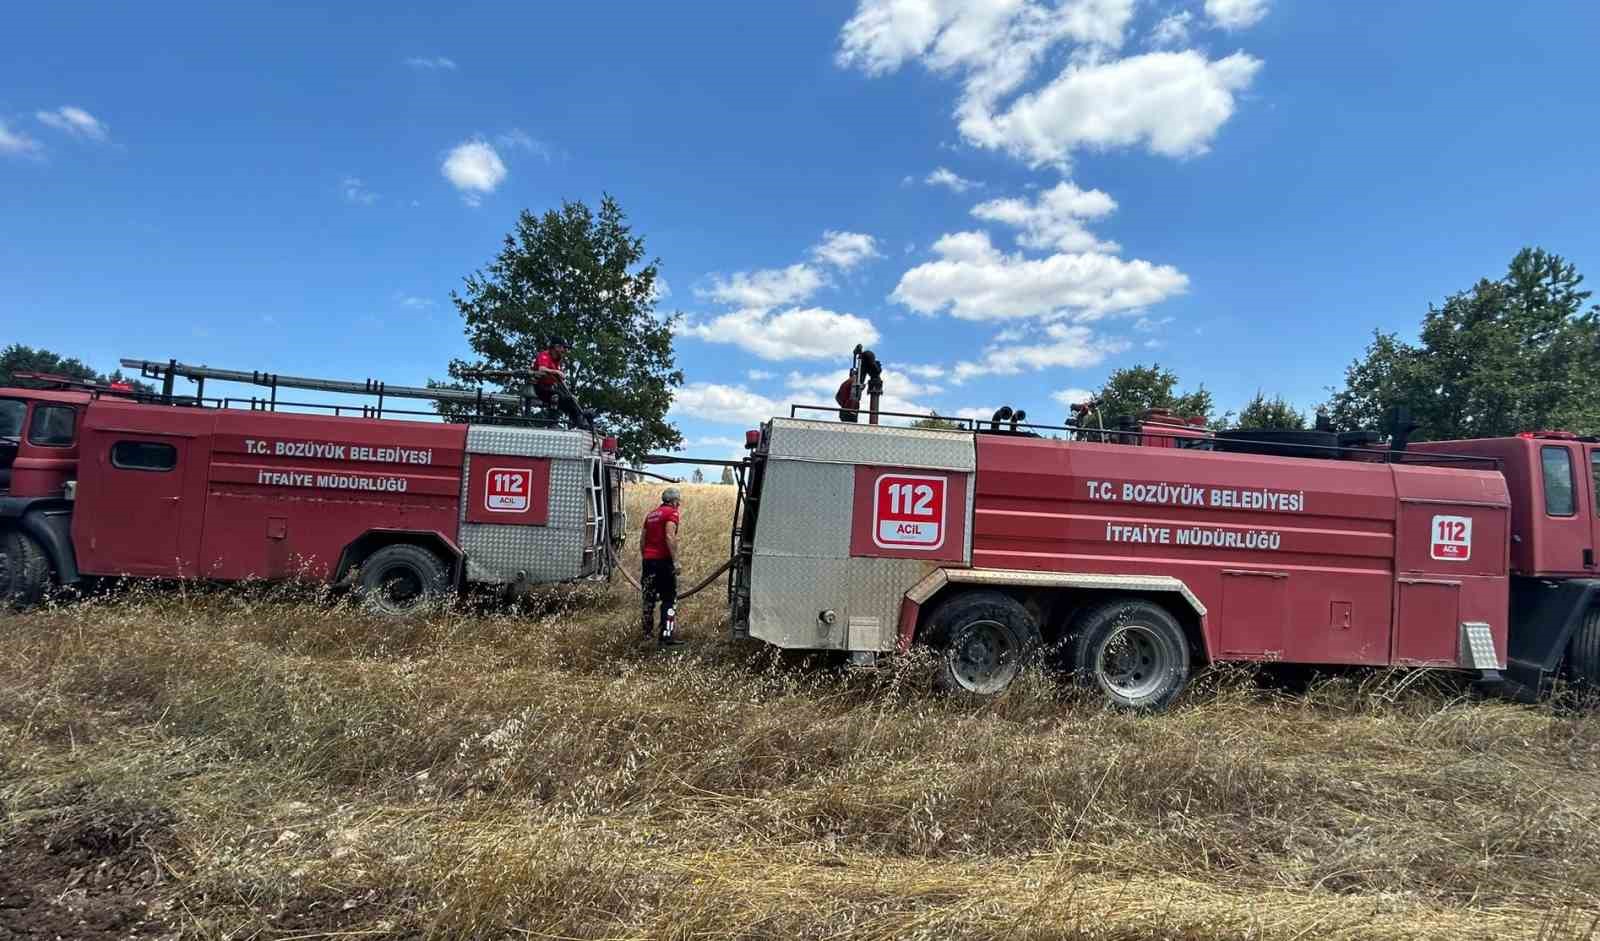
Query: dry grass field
{"points": [[266, 763]]}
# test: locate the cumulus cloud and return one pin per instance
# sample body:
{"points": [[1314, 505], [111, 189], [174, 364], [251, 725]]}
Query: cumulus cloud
{"points": [[432, 63], [356, 191], [16, 143], [1236, 14], [474, 168], [1055, 220], [766, 288], [74, 121], [760, 375], [1061, 345], [1172, 30], [1072, 396], [845, 250], [796, 333], [731, 405], [975, 281], [1172, 103], [412, 302], [950, 180], [518, 139]]}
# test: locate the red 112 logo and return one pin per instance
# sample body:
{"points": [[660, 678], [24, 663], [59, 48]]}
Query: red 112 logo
{"points": [[908, 512], [508, 490], [1452, 538]]}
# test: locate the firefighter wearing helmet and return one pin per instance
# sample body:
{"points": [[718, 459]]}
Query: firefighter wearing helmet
{"points": [[658, 548]]}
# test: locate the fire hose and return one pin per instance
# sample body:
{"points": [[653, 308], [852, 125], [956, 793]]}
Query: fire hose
{"points": [[705, 582]]}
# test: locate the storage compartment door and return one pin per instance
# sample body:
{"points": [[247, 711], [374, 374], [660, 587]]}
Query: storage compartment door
{"points": [[1255, 614], [1427, 622]]}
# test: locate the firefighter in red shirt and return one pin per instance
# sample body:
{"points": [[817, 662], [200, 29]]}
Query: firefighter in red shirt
{"points": [[550, 382], [658, 546]]}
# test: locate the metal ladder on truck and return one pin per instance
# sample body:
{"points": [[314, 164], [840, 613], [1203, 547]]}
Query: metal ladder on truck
{"points": [[476, 399]]}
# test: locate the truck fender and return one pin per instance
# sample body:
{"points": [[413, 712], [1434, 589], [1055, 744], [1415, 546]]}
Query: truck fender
{"points": [[49, 521], [1544, 615], [938, 579], [373, 539]]}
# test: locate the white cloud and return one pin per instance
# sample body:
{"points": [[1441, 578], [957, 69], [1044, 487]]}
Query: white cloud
{"points": [[975, 281], [1072, 396], [1236, 14], [74, 121], [1151, 324], [1172, 31], [950, 180], [518, 139], [899, 390], [732, 405], [16, 143], [1063, 345], [760, 375], [474, 168], [413, 302], [431, 63], [356, 191], [715, 441], [845, 250], [995, 38], [1055, 219], [921, 371], [1173, 103], [796, 333], [767, 288]]}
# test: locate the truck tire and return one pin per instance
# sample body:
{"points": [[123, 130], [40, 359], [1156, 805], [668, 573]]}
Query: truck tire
{"points": [[403, 581], [1583, 657], [1134, 652], [24, 570], [984, 639]]}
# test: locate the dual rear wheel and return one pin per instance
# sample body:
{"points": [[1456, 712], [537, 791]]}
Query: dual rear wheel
{"points": [[1132, 651], [24, 570]]}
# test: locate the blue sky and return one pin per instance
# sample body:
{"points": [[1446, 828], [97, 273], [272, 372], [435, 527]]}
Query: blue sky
{"points": [[1008, 199]]}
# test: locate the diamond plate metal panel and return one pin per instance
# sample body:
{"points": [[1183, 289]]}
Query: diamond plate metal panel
{"points": [[876, 589], [788, 593], [845, 443], [805, 509], [1477, 646], [529, 442], [499, 554]]}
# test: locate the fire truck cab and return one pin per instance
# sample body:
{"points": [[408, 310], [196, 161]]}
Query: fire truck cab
{"points": [[404, 511]]}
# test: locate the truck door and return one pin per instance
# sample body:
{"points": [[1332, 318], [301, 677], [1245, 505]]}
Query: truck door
{"points": [[129, 517], [1591, 486]]}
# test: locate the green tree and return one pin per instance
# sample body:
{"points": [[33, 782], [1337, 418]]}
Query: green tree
{"points": [[698, 477], [727, 475], [18, 358], [1274, 413], [934, 421], [582, 276], [1509, 355], [1128, 392]]}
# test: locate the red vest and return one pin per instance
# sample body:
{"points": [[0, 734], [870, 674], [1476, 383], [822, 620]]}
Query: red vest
{"points": [[653, 544]]}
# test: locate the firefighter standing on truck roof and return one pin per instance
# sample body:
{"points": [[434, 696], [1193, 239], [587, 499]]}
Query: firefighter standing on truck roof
{"points": [[550, 382], [658, 547]]}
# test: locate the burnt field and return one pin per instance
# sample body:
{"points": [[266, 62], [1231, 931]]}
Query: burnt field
{"points": [[270, 764]]}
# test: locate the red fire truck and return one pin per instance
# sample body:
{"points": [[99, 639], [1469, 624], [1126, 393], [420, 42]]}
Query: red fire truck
{"points": [[1140, 552], [96, 481]]}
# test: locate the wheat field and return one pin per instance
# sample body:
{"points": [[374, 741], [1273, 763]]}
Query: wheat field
{"points": [[268, 762]]}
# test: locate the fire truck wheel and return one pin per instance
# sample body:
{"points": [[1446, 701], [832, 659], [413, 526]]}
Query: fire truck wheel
{"points": [[1134, 652], [403, 581], [985, 638], [1583, 657], [24, 570]]}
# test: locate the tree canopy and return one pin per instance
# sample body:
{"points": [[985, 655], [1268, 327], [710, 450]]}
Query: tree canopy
{"points": [[1130, 391], [580, 275], [1274, 413], [1512, 354], [18, 358]]}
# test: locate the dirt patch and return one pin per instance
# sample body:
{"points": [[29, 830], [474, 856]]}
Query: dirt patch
{"points": [[89, 875]]}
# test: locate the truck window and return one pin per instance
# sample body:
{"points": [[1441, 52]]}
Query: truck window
{"points": [[144, 456], [52, 426], [11, 412], [1558, 484]]}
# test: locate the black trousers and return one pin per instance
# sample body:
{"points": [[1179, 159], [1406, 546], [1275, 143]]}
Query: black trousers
{"points": [[558, 397], [660, 586]]}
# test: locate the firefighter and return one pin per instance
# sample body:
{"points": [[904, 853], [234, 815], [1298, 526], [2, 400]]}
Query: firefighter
{"points": [[550, 383], [658, 545], [848, 398]]}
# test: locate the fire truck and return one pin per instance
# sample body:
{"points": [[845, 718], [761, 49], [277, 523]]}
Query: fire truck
{"points": [[103, 481], [1136, 553]]}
